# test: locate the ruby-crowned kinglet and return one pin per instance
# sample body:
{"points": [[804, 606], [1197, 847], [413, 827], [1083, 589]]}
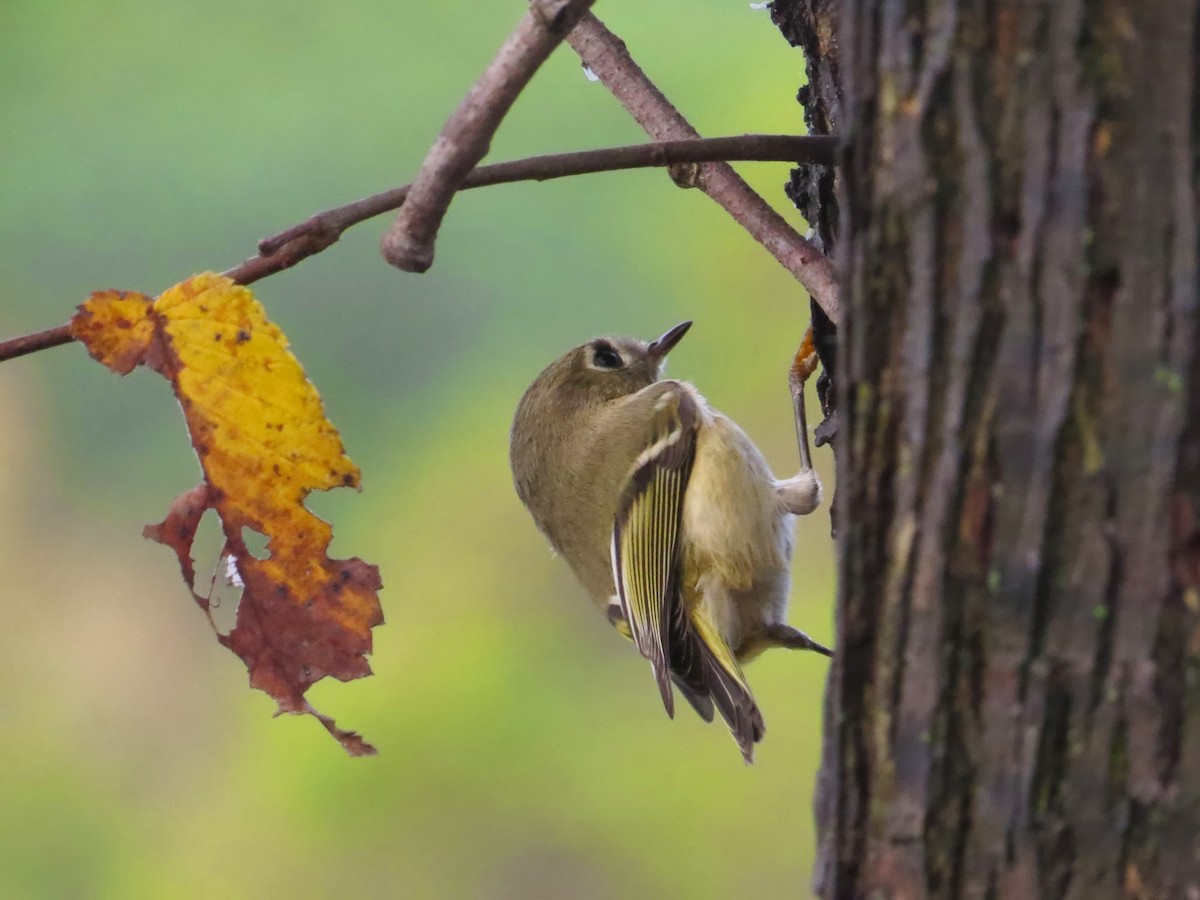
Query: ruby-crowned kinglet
{"points": [[668, 515]]}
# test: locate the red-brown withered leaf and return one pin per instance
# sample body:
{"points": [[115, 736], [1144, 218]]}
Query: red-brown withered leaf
{"points": [[264, 443]]}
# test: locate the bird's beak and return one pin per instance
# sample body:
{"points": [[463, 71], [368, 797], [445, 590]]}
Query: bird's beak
{"points": [[664, 344]]}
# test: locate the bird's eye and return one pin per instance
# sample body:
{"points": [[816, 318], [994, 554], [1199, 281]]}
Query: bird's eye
{"points": [[605, 357]]}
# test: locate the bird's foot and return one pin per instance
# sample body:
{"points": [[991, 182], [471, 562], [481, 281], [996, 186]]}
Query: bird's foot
{"points": [[801, 494], [794, 639]]}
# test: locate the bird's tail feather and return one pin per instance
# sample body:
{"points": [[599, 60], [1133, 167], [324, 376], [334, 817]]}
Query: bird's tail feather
{"points": [[715, 673], [698, 697]]}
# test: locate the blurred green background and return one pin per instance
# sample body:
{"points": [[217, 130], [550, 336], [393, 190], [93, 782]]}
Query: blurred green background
{"points": [[523, 747]]}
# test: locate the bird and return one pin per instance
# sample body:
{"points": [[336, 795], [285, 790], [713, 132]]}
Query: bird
{"points": [[669, 517]]}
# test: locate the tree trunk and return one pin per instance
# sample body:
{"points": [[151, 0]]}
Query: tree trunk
{"points": [[1014, 710]]}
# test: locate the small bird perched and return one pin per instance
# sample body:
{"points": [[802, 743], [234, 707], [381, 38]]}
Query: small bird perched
{"points": [[668, 515]]}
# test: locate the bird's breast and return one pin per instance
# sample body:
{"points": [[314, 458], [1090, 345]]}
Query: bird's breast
{"points": [[737, 538], [730, 513]]}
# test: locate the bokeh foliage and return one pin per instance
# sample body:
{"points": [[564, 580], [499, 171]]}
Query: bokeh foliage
{"points": [[524, 752]]}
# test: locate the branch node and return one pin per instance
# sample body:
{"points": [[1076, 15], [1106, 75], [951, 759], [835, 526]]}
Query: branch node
{"points": [[686, 175], [314, 227], [558, 16]]}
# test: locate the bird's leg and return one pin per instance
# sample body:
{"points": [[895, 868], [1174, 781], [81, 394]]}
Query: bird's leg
{"points": [[801, 494], [786, 636]]}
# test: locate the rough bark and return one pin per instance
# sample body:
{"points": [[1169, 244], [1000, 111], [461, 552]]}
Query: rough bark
{"points": [[1015, 706], [811, 26]]}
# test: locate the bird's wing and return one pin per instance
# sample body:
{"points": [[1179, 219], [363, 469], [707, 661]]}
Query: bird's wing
{"points": [[682, 646], [645, 540], [689, 670]]}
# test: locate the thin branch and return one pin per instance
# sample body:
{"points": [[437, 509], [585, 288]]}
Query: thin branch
{"points": [[320, 231], [608, 58], [746, 147], [32, 343], [467, 135]]}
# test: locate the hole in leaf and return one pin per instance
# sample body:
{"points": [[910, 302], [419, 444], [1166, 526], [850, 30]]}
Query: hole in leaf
{"points": [[213, 571], [256, 543]]}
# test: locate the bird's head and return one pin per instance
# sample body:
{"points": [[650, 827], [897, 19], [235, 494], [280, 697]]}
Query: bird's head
{"points": [[607, 368]]}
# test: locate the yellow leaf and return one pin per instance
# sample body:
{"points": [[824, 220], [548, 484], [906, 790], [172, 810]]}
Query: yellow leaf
{"points": [[260, 432]]}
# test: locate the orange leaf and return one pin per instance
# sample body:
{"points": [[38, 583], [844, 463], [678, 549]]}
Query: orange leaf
{"points": [[116, 327], [264, 443]]}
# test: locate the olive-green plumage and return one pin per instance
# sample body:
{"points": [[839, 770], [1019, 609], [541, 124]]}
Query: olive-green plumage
{"points": [[667, 514]]}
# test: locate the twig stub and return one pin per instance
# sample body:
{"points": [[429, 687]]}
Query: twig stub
{"points": [[467, 134]]}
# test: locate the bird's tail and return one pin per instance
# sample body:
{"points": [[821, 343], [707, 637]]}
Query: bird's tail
{"points": [[713, 672]]}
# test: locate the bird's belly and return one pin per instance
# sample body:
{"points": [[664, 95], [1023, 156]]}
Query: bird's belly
{"points": [[738, 539]]}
